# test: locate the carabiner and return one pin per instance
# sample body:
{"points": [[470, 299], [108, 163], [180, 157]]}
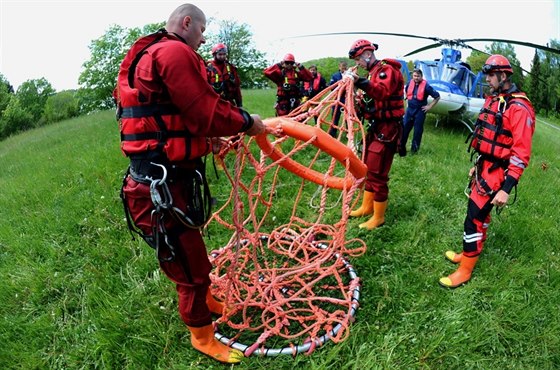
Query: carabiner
{"points": [[164, 170]]}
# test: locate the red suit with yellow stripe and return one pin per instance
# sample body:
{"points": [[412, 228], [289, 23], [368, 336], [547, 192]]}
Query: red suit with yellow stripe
{"points": [[502, 138], [167, 115], [223, 77], [289, 83], [384, 110]]}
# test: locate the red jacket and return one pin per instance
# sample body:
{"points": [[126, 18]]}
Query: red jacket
{"points": [[288, 81], [385, 85], [384, 88], [166, 104]]}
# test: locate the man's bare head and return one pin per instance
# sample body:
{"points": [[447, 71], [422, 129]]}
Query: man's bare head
{"points": [[189, 22]]}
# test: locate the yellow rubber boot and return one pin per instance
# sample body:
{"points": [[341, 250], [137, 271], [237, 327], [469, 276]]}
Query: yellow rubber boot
{"points": [[453, 257], [462, 275], [378, 218], [214, 306], [202, 339], [367, 206]]}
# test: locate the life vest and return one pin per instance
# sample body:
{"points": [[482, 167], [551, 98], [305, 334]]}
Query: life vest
{"points": [[291, 86], [490, 138], [316, 82], [152, 129], [420, 92]]}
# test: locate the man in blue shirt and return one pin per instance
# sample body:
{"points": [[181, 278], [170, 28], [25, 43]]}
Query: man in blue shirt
{"points": [[336, 112], [416, 91]]}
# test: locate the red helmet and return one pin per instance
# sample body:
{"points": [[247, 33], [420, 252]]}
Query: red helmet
{"points": [[289, 58], [219, 48], [359, 46], [497, 63]]}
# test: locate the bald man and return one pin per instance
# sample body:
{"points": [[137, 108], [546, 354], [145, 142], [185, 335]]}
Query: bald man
{"points": [[169, 119]]}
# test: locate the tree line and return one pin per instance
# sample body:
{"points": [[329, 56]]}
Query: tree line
{"points": [[36, 103]]}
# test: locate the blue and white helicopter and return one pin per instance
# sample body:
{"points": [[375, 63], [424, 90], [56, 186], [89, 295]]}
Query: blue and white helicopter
{"points": [[461, 90]]}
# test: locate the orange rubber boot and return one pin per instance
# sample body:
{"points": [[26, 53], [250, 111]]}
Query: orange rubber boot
{"points": [[378, 218], [462, 275], [202, 339], [214, 306], [367, 206], [453, 257]]}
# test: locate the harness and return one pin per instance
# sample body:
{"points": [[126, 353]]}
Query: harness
{"points": [[153, 166], [223, 86]]}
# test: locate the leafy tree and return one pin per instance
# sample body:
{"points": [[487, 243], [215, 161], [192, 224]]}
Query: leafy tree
{"points": [[537, 90], [98, 79], [476, 60], [242, 53], [61, 106], [33, 95], [15, 118], [550, 69], [6, 92]]}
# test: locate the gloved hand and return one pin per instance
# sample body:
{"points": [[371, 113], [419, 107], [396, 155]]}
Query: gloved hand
{"points": [[349, 75]]}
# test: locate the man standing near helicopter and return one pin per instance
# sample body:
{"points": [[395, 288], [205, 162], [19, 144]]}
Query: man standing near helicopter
{"points": [[416, 91], [384, 110], [502, 138]]}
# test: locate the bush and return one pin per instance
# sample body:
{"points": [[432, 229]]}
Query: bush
{"points": [[61, 106], [15, 119]]}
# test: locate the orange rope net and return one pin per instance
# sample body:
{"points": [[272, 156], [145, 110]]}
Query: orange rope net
{"points": [[283, 274]]}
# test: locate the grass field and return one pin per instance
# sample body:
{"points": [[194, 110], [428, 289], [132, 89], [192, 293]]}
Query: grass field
{"points": [[78, 293]]}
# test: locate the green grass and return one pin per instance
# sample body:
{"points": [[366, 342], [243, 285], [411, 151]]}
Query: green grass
{"points": [[78, 293]]}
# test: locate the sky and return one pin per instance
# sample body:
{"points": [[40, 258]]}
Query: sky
{"points": [[51, 39]]}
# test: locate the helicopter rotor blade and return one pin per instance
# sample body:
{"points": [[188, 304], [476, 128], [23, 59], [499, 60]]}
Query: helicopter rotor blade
{"points": [[369, 33], [457, 42], [523, 43], [438, 44]]}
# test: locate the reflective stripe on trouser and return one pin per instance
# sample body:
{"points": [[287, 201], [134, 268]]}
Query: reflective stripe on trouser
{"points": [[190, 269], [479, 208], [476, 226]]}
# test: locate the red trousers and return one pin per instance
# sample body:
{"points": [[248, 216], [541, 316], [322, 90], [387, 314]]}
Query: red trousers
{"points": [[479, 207], [379, 159], [190, 267]]}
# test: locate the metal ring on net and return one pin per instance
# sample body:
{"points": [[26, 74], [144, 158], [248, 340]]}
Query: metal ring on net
{"points": [[310, 345]]}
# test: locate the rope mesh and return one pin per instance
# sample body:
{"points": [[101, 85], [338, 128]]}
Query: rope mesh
{"points": [[283, 274]]}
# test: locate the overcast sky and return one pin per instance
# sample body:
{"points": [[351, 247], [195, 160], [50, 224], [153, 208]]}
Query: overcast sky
{"points": [[50, 39]]}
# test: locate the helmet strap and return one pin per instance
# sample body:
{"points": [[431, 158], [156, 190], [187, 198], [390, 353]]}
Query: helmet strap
{"points": [[501, 81]]}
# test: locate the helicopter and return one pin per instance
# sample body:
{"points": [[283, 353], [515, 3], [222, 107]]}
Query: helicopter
{"points": [[462, 92]]}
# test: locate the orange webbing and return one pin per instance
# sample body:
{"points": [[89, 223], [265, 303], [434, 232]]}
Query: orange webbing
{"points": [[283, 272]]}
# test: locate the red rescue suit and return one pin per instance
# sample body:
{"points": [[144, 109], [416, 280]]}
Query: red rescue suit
{"points": [[167, 113], [223, 77], [502, 138], [384, 109], [289, 91]]}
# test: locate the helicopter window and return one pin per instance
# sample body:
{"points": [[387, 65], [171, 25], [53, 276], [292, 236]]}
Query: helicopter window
{"points": [[457, 75], [429, 70]]}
